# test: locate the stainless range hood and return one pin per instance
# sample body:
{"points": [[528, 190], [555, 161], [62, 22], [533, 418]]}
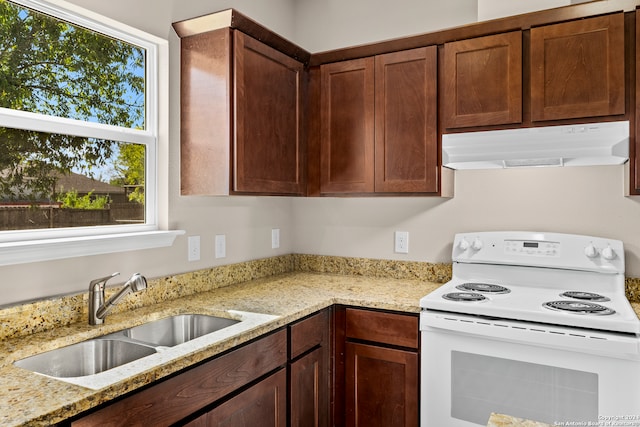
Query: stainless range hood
{"points": [[572, 145]]}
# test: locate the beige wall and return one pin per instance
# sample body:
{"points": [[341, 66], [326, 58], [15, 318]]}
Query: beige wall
{"points": [[322, 25], [578, 200]]}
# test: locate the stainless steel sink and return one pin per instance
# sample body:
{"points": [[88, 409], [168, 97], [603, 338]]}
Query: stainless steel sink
{"points": [[113, 350], [175, 330], [85, 358]]}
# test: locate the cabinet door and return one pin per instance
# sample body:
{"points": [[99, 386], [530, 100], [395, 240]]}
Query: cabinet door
{"points": [[268, 112], [381, 387], [346, 133], [406, 121], [577, 69], [310, 390], [264, 404], [483, 81]]}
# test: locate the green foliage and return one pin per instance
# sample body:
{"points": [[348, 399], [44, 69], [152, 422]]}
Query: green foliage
{"points": [[130, 169], [51, 67], [71, 200]]}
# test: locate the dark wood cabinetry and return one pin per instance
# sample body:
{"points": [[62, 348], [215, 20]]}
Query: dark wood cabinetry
{"points": [[577, 69], [347, 127], [406, 136], [309, 387], [378, 131], [381, 368], [241, 116], [178, 397], [483, 81], [381, 386], [264, 405]]}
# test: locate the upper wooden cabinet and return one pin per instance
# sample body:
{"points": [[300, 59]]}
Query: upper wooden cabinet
{"points": [[577, 69], [346, 127], [483, 81], [406, 138], [241, 115], [378, 131]]}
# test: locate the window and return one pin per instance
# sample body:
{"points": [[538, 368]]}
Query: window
{"points": [[78, 128]]}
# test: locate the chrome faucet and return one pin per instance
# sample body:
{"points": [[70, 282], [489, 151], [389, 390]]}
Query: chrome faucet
{"points": [[98, 308]]}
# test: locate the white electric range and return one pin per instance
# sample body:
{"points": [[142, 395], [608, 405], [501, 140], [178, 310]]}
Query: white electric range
{"points": [[534, 325]]}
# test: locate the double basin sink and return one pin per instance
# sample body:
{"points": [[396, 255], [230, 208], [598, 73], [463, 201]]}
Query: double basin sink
{"points": [[113, 350]]}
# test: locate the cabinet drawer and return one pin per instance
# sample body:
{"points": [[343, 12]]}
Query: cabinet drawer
{"points": [[309, 333], [178, 397], [387, 328]]}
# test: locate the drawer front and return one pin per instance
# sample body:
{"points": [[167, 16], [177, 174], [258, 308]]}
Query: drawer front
{"points": [[309, 333], [386, 328], [180, 396]]}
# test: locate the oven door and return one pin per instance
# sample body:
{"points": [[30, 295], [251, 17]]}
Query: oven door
{"points": [[472, 367]]}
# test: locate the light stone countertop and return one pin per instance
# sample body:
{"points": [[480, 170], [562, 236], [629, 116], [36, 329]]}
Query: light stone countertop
{"points": [[501, 420], [31, 399]]}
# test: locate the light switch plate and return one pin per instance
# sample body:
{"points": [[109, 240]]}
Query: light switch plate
{"points": [[193, 253], [275, 238], [221, 246], [402, 242]]}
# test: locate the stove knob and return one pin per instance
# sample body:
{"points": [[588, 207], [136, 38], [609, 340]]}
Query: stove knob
{"points": [[476, 245], [591, 251], [463, 244], [608, 253]]}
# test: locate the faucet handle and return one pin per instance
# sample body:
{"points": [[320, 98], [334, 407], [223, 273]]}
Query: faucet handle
{"points": [[102, 280]]}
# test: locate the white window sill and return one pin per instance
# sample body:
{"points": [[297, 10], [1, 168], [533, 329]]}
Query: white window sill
{"points": [[51, 249]]}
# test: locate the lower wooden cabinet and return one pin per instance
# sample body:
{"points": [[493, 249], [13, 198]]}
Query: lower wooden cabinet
{"points": [[309, 387], [264, 405], [175, 399], [381, 386], [381, 368], [340, 366]]}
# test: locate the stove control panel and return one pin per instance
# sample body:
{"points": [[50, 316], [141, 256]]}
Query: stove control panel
{"points": [[552, 250], [532, 248]]}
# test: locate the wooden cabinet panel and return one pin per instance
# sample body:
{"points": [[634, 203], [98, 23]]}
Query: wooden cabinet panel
{"points": [[377, 354], [309, 393], [381, 387], [178, 397], [483, 81], [268, 107], [308, 333], [309, 385], [406, 121], [241, 115], [205, 119], [264, 404], [347, 138], [577, 69], [386, 328]]}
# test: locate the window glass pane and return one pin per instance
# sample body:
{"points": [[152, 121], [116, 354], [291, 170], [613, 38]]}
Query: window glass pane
{"points": [[52, 181], [52, 67]]}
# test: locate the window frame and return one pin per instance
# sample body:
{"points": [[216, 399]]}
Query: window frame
{"points": [[19, 246]]}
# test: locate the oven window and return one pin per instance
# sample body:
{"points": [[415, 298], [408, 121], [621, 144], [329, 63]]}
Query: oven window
{"points": [[481, 385]]}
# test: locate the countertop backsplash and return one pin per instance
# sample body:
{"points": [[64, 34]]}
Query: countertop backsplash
{"points": [[42, 315]]}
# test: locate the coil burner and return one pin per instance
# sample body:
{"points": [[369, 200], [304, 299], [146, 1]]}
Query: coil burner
{"points": [[578, 307], [585, 296], [483, 287], [464, 296]]}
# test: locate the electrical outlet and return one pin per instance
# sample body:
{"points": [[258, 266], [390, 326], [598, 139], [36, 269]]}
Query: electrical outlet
{"points": [[194, 248], [221, 246], [275, 238], [402, 242]]}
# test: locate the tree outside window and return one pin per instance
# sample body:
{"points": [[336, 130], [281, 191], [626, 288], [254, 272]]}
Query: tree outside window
{"points": [[54, 68]]}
